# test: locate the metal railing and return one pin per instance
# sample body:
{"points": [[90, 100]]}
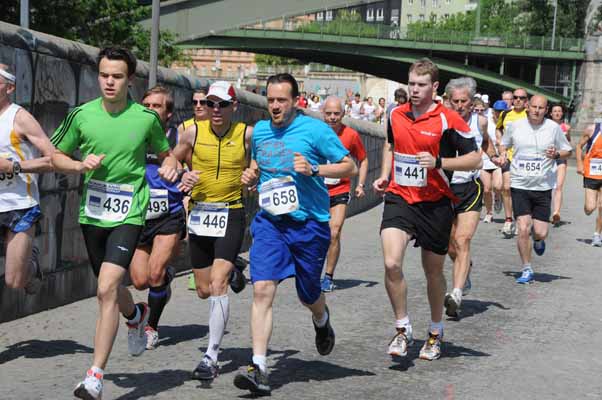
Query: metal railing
{"points": [[363, 30]]}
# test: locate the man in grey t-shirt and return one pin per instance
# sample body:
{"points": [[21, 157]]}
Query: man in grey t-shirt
{"points": [[537, 143]]}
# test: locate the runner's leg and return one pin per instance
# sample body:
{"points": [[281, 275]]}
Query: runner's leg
{"points": [[337, 219], [18, 266]]}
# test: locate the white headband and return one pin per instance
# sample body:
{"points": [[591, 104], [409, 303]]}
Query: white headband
{"points": [[8, 76]]}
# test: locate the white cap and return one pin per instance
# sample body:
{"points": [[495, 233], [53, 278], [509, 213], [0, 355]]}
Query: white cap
{"points": [[485, 98], [223, 90], [477, 95]]}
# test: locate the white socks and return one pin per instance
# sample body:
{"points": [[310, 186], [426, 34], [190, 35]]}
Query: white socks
{"points": [[436, 328], [322, 322], [219, 312], [404, 323], [261, 362]]}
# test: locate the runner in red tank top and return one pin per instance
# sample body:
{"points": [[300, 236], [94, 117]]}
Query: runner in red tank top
{"points": [[426, 142], [339, 189], [590, 166]]}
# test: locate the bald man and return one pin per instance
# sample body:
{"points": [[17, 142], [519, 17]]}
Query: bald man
{"points": [[339, 190], [538, 142]]}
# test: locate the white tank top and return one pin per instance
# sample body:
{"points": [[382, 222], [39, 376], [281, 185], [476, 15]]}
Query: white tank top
{"points": [[369, 114], [467, 176], [355, 109], [21, 191]]}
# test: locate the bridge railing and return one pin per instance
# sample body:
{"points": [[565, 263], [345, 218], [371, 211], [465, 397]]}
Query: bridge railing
{"points": [[382, 31]]}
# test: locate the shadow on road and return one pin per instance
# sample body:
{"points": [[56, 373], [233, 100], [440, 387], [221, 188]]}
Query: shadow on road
{"points": [[171, 335], [538, 276], [448, 350], [147, 384], [475, 307], [42, 349], [342, 284], [586, 241]]}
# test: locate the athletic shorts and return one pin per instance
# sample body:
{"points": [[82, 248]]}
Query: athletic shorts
{"points": [[285, 248], [205, 249], [470, 195], [429, 223], [343, 198], [167, 225], [20, 220], [561, 162], [536, 203], [593, 184], [506, 167], [115, 245]]}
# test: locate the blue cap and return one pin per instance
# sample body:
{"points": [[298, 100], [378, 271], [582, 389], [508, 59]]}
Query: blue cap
{"points": [[500, 105]]}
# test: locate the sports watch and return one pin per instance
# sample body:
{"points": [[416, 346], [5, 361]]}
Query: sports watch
{"points": [[314, 170], [16, 168]]}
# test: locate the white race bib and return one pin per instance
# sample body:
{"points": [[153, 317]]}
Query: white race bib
{"points": [[529, 165], [7, 179], [209, 219], [595, 166], [408, 171], [158, 204], [279, 196], [108, 201]]}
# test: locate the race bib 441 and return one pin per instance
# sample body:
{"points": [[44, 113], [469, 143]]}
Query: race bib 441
{"points": [[408, 171]]}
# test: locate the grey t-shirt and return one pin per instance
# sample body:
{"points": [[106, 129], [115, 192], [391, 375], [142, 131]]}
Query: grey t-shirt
{"points": [[530, 168]]}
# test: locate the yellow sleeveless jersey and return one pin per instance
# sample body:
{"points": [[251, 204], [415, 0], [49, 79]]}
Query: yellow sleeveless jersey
{"points": [[220, 161], [188, 122]]}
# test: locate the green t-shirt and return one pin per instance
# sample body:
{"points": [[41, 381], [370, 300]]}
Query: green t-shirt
{"points": [[116, 193]]}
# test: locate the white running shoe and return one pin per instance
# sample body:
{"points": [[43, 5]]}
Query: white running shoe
{"points": [[400, 342], [508, 229], [452, 304], [136, 335], [488, 218], [597, 240], [152, 338], [90, 388]]}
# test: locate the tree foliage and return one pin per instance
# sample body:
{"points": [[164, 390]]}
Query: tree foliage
{"points": [[97, 23]]}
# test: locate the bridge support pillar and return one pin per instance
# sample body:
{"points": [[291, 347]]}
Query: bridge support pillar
{"points": [[538, 72], [502, 66], [573, 79]]}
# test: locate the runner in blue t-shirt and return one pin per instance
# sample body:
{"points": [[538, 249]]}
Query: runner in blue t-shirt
{"points": [[165, 224], [291, 155]]}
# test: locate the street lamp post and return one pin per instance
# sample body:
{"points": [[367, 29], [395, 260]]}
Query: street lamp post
{"points": [[24, 14], [154, 49]]}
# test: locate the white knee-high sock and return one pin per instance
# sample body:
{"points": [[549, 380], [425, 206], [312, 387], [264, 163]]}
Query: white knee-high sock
{"points": [[219, 312]]}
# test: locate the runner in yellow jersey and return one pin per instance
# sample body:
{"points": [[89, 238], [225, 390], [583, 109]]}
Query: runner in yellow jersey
{"points": [[218, 152], [518, 112]]}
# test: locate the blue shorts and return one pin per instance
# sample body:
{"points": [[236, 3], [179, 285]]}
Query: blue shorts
{"points": [[286, 248], [20, 220]]}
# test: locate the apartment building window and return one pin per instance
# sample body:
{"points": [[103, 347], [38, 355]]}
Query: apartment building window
{"points": [[320, 16], [328, 15], [421, 17], [435, 3], [370, 14], [447, 1], [410, 2], [380, 14], [423, 3], [446, 16], [395, 15], [409, 18]]}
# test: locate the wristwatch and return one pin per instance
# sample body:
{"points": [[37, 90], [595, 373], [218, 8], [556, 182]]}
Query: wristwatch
{"points": [[16, 168], [360, 185], [314, 170]]}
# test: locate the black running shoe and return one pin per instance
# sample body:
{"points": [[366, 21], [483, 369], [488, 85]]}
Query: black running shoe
{"points": [[324, 336], [35, 281], [237, 279], [254, 380], [206, 370]]}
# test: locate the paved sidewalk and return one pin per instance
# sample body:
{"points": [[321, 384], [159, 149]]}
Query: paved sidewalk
{"points": [[539, 341]]}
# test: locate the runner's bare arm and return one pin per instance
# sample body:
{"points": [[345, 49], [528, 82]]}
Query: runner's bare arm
{"points": [[183, 150], [62, 162], [466, 162], [248, 137], [344, 168], [380, 184], [587, 133], [27, 126], [487, 146]]}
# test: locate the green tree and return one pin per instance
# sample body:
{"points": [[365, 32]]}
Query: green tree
{"points": [[271, 61], [97, 23]]}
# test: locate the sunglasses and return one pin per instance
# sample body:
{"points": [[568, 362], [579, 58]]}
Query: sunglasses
{"points": [[519, 97], [199, 102], [220, 104]]}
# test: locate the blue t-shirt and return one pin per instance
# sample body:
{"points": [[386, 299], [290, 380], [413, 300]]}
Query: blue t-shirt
{"points": [[274, 149], [174, 196]]}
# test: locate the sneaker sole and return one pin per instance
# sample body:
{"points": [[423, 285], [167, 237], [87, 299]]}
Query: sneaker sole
{"points": [[451, 308], [400, 354], [203, 378], [144, 323], [81, 393], [244, 383], [427, 358]]}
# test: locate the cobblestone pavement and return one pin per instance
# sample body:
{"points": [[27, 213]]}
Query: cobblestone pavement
{"points": [[539, 341]]}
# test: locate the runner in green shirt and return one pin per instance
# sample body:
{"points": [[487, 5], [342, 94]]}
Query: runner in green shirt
{"points": [[112, 134]]}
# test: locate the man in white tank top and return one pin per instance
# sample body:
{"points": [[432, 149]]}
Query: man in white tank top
{"points": [[467, 186], [21, 141]]}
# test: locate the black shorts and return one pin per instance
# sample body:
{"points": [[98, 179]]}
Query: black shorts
{"points": [[561, 162], [167, 225], [536, 203], [593, 184], [429, 223], [20, 220], [506, 167], [343, 198], [470, 195], [205, 249], [115, 245]]}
